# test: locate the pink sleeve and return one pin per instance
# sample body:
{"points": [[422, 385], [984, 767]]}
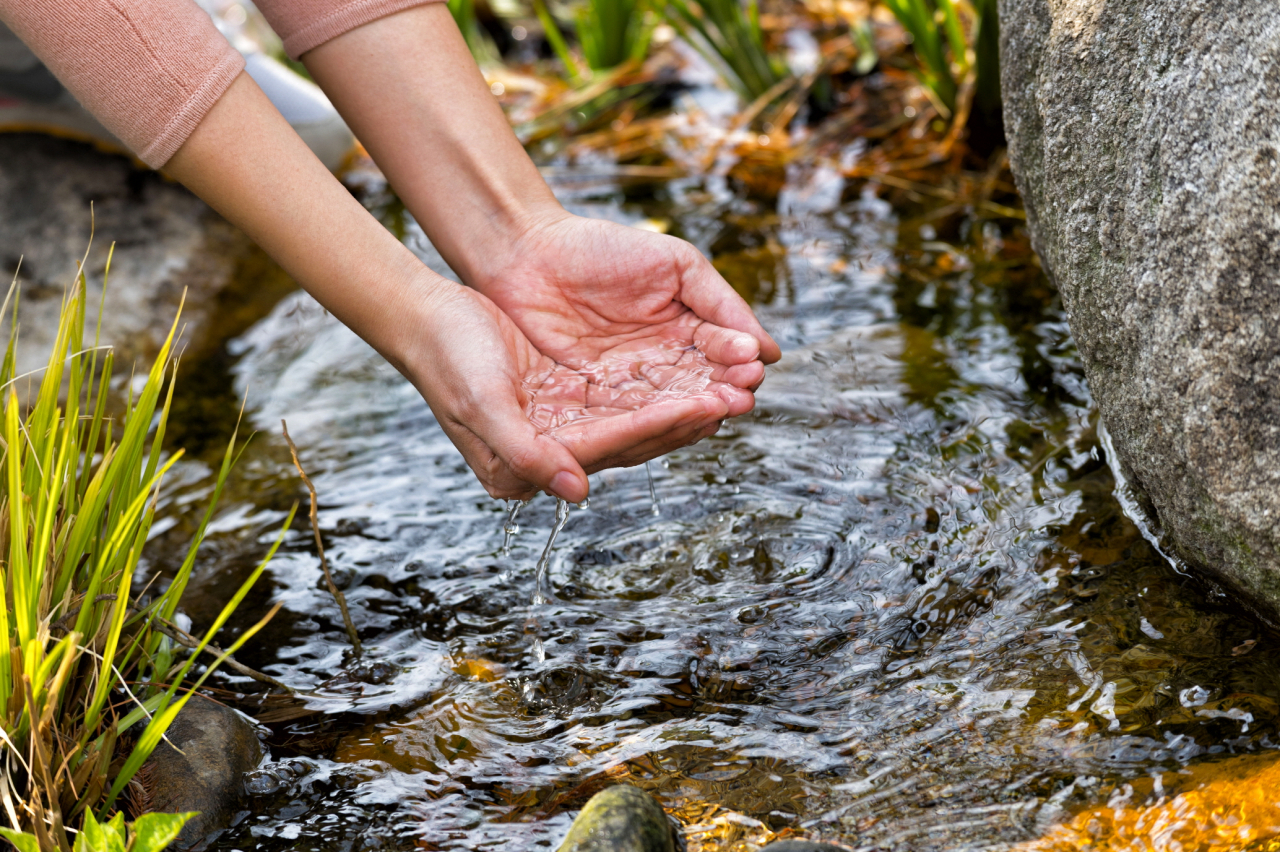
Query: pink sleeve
{"points": [[304, 24], [149, 70]]}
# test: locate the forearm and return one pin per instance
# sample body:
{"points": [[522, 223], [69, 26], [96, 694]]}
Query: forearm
{"points": [[249, 165], [408, 87]]}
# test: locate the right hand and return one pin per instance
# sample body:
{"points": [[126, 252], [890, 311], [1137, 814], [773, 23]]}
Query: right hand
{"points": [[474, 367]]}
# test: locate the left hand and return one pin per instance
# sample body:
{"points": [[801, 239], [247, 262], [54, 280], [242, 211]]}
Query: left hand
{"points": [[591, 291]]}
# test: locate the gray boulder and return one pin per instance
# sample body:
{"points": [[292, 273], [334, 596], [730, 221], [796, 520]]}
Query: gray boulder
{"points": [[1145, 139], [167, 241]]}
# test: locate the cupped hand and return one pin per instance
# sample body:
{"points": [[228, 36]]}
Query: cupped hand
{"points": [[590, 291], [524, 422]]}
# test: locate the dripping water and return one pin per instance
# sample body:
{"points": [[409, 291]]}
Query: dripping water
{"points": [[544, 562], [509, 526], [653, 489]]}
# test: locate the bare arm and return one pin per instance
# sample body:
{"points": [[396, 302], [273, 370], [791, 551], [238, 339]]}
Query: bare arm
{"points": [[462, 353], [409, 88]]}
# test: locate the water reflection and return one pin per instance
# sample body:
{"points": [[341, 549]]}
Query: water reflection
{"points": [[896, 606]]}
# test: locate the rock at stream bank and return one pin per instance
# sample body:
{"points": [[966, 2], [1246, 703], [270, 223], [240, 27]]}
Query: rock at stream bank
{"points": [[215, 747], [166, 241], [1145, 139], [620, 819]]}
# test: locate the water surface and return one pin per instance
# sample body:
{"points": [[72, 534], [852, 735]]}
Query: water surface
{"points": [[897, 605]]}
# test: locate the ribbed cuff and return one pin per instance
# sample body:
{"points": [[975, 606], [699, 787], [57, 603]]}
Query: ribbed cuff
{"points": [[344, 20], [185, 121]]}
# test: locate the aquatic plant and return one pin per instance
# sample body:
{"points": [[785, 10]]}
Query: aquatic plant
{"points": [[555, 38], [612, 32], [934, 26], [478, 41], [728, 35], [89, 678], [945, 50]]}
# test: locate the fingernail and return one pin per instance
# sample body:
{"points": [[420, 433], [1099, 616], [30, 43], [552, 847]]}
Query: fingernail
{"points": [[564, 484]]}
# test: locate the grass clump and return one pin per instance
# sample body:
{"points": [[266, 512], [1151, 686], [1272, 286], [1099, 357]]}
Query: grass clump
{"points": [[949, 53], [88, 682], [612, 32], [728, 35]]}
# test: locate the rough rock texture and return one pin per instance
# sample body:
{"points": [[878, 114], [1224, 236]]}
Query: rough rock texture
{"points": [[1145, 138], [166, 240], [215, 748], [620, 819]]}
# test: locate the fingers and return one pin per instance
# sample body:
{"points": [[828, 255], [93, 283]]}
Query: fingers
{"points": [[736, 399], [709, 296], [637, 436], [726, 345], [748, 376]]}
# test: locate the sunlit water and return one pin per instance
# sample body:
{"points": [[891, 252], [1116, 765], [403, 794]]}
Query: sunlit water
{"points": [[896, 606]]}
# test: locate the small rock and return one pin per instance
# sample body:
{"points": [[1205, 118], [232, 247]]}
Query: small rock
{"points": [[215, 748], [802, 846], [620, 819]]}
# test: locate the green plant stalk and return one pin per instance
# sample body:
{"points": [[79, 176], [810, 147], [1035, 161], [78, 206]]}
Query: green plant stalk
{"points": [[729, 38], [918, 18], [556, 39], [612, 32], [76, 510], [986, 48], [478, 41]]}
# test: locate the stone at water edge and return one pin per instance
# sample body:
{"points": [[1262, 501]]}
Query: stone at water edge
{"points": [[803, 846], [1145, 139], [167, 242], [218, 747], [620, 819]]}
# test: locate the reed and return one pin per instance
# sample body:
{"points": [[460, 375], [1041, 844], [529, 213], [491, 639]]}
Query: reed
{"points": [[88, 682], [728, 35], [949, 52], [478, 41], [612, 32]]}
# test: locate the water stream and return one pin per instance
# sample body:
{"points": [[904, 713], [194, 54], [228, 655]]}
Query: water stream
{"points": [[898, 605]]}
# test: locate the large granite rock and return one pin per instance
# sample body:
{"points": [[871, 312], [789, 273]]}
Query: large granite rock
{"points": [[166, 242], [1145, 138]]}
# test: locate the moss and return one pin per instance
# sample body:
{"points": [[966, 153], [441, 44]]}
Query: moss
{"points": [[620, 819]]}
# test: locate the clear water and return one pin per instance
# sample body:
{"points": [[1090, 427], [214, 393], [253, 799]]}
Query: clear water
{"points": [[897, 606]]}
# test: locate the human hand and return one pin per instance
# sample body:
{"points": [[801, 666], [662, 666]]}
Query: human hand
{"points": [[485, 380], [587, 291]]}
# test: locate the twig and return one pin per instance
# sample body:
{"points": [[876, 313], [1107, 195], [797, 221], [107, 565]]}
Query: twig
{"points": [[324, 563], [186, 640]]}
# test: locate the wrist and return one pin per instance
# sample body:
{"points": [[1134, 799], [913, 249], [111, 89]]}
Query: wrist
{"points": [[485, 261]]}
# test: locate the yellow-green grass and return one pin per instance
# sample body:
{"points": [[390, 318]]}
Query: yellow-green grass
{"points": [[88, 684]]}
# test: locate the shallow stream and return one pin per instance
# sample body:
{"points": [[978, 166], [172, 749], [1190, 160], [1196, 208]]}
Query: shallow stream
{"points": [[897, 606]]}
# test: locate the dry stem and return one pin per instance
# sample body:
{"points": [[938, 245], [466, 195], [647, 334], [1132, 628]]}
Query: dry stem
{"points": [[324, 563], [186, 640]]}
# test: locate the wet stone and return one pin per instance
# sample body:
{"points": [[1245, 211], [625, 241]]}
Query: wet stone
{"points": [[167, 243], [213, 749], [620, 819], [1142, 136], [802, 846]]}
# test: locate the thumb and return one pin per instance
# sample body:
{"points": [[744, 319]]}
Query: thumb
{"points": [[523, 458]]}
